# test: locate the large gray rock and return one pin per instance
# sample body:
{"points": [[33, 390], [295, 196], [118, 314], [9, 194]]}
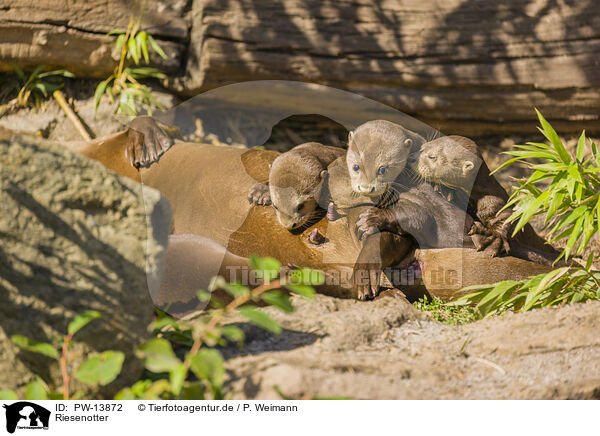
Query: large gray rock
{"points": [[74, 237], [386, 349]]}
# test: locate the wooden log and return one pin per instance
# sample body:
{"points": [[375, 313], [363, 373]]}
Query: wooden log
{"points": [[72, 35], [465, 66]]}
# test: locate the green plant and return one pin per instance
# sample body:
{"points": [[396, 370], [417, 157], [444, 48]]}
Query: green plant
{"points": [[453, 315], [200, 374], [37, 84], [123, 84], [566, 189], [98, 370]]}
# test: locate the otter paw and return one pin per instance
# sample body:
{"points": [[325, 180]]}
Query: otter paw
{"points": [[259, 194], [490, 241], [365, 282], [370, 222], [146, 142]]}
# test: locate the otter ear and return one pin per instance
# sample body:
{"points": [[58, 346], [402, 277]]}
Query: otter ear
{"points": [[408, 142], [468, 167], [323, 174], [350, 136]]}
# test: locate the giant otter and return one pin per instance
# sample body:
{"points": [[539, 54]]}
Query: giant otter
{"points": [[380, 155], [207, 187], [295, 183], [455, 162]]}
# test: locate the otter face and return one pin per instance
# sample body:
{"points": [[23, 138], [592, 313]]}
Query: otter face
{"points": [[445, 162], [293, 209], [377, 153]]}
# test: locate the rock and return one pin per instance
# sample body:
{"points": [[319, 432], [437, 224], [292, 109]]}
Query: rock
{"points": [[386, 349], [74, 237]]}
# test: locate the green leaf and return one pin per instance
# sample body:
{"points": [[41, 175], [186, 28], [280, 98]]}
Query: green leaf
{"points": [[142, 38], [35, 390], [555, 203], [100, 369], [547, 280], [233, 333], [580, 147], [82, 320], [35, 346], [575, 234], [98, 94], [207, 364], [177, 376], [266, 268], [203, 295], [551, 135], [505, 164], [307, 292], [132, 50], [532, 209], [119, 43], [589, 262], [575, 173], [158, 355], [279, 300], [156, 47], [260, 319], [8, 395]]}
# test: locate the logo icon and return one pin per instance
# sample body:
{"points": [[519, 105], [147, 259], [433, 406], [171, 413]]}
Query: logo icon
{"points": [[26, 415]]}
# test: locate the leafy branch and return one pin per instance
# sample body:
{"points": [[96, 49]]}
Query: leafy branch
{"points": [[100, 369], [123, 85], [210, 329], [566, 189]]}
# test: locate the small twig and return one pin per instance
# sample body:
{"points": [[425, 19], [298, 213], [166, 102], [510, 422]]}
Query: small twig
{"points": [[491, 364], [63, 366], [60, 98]]}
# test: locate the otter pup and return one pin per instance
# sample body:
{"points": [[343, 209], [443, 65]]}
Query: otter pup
{"points": [[456, 162], [378, 152], [295, 184]]}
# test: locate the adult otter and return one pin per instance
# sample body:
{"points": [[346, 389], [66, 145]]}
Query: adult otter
{"points": [[295, 183]]}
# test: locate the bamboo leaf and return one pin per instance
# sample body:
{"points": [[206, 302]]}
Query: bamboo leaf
{"points": [[156, 47], [580, 147], [552, 136]]}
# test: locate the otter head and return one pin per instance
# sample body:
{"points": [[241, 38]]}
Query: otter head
{"points": [[295, 184], [377, 153], [451, 161]]}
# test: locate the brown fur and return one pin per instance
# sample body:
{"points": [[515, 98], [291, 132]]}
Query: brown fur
{"points": [[458, 164], [207, 188], [295, 183], [379, 146]]}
